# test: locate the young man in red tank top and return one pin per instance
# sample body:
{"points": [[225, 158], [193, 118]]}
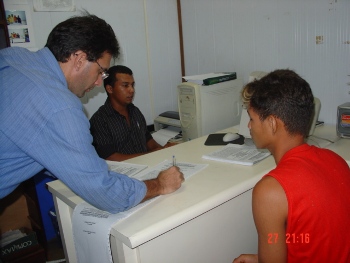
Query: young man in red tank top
{"points": [[300, 208]]}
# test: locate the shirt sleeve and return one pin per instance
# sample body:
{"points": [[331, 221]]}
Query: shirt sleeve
{"points": [[66, 150], [102, 137]]}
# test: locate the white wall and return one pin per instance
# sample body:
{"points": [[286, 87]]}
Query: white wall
{"points": [[249, 35], [221, 35], [149, 38]]}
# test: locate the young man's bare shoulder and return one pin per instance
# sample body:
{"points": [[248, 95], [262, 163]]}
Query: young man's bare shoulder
{"points": [[269, 190]]}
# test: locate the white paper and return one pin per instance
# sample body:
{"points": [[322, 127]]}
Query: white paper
{"points": [[162, 136], [188, 169], [10, 236], [53, 5], [15, 2], [128, 169], [238, 154], [91, 226]]}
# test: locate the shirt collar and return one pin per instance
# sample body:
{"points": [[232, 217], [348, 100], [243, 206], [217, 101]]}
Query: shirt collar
{"points": [[111, 111]]}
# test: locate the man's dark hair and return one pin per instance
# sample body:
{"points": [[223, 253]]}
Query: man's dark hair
{"points": [[112, 71], [284, 94], [87, 33]]}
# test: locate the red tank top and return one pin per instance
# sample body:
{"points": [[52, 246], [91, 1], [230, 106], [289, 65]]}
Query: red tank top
{"points": [[317, 185]]}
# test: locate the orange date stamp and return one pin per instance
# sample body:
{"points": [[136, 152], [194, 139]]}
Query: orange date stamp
{"points": [[291, 238]]}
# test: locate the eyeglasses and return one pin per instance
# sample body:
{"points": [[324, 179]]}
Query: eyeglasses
{"points": [[104, 74]]}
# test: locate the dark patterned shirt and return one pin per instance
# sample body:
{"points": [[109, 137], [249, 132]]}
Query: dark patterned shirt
{"points": [[111, 132]]}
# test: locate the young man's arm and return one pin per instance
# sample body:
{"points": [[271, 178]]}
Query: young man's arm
{"points": [[119, 157], [152, 145], [270, 210]]}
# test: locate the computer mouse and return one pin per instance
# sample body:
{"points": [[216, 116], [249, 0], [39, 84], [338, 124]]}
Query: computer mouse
{"points": [[230, 137]]}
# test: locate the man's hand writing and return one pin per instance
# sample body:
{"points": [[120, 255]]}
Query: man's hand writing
{"points": [[167, 182], [170, 180]]}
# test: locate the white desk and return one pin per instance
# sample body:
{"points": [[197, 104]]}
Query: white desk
{"points": [[208, 219]]}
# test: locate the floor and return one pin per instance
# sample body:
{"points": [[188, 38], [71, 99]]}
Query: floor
{"points": [[55, 252]]}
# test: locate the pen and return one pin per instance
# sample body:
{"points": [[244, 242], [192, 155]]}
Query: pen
{"points": [[174, 160]]}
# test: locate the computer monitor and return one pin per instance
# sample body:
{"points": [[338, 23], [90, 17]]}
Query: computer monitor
{"points": [[315, 115]]}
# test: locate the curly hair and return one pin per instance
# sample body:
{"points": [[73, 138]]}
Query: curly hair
{"points": [[284, 94]]}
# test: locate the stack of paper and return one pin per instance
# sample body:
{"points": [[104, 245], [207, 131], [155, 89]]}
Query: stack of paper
{"points": [[128, 169], [238, 154], [10, 236], [162, 136]]}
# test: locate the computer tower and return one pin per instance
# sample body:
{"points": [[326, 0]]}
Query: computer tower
{"points": [[207, 109]]}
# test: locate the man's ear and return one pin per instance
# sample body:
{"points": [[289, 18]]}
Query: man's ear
{"points": [[273, 123], [109, 89], [79, 58]]}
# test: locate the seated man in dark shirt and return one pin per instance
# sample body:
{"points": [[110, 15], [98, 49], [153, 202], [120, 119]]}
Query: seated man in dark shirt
{"points": [[119, 128]]}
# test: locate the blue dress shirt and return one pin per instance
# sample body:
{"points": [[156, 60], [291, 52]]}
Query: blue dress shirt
{"points": [[43, 126]]}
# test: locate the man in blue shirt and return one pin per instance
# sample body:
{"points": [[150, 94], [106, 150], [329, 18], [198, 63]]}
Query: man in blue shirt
{"points": [[42, 123]]}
